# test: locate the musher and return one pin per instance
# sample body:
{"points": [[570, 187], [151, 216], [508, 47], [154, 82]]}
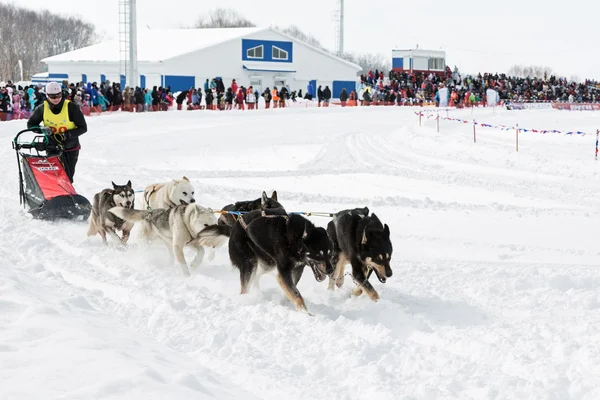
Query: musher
{"points": [[66, 123]]}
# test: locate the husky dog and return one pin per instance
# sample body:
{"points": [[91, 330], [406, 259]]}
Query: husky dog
{"points": [[362, 241], [248, 205], [176, 227], [102, 221], [168, 194], [275, 240]]}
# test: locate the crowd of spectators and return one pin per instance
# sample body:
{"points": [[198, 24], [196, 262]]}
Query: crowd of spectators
{"points": [[17, 102], [419, 87], [375, 87]]}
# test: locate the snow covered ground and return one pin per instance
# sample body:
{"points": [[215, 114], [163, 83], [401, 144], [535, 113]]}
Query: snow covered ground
{"points": [[495, 293]]}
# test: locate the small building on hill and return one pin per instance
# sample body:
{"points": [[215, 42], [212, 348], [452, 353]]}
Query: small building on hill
{"points": [[419, 60], [185, 58]]}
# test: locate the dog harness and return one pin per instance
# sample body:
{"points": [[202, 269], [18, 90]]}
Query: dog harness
{"points": [[148, 196], [244, 224]]}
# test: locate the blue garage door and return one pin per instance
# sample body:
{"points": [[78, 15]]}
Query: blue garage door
{"points": [[339, 85], [179, 83], [313, 85]]}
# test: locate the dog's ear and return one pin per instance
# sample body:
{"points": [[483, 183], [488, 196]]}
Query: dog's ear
{"points": [[366, 211], [114, 185], [263, 199], [274, 195], [185, 179], [386, 230], [128, 184], [375, 220]]}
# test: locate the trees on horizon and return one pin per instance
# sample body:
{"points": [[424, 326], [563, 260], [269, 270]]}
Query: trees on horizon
{"points": [[29, 36]]}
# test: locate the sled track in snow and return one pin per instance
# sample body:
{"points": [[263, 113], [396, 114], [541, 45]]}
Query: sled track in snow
{"points": [[206, 319]]}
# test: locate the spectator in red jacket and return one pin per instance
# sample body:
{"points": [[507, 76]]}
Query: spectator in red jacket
{"points": [[239, 97]]}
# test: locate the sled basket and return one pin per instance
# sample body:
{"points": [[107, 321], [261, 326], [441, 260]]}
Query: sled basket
{"points": [[44, 185]]}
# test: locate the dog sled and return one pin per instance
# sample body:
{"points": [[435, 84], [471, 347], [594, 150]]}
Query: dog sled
{"points": [[44, 186]]}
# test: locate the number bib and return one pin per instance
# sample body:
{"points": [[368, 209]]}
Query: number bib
{"points": [[58, 123]]}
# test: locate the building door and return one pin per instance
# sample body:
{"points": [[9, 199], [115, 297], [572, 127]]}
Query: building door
{"points": [[313, 85], [279, 83], [256, 84]]}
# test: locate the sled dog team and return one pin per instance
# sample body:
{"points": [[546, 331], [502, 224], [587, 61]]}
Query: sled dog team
{"points": [[263, 238]]}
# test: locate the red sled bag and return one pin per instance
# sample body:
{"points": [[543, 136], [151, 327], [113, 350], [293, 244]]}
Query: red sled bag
{"points": [[44, 185]]}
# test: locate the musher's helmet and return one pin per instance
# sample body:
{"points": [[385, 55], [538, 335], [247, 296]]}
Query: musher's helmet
{"points": [[53, 88]]}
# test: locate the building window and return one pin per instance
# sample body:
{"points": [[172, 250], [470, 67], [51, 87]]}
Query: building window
{"points": [[436, 64], [255, 52], [279, 54]]}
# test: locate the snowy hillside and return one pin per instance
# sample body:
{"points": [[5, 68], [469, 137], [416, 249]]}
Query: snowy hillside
{"points": [[495, 292]]}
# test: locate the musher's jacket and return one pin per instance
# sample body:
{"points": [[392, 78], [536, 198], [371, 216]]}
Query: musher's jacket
{"points": [[65, 118]]}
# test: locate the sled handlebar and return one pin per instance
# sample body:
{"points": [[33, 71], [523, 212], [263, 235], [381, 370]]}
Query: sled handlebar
{"points": [[39, 146], [36, 129], [38, 143]]}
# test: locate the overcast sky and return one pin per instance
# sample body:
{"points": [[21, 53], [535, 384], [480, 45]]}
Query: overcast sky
{"points": [[477, 35]]}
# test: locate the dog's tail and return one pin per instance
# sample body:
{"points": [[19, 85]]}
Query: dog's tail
{"points": [[214, 235], [129, 214], [93, 229]]}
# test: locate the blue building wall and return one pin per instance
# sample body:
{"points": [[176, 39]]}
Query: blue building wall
{"points": [[179, 83], [339, 85], [268, 45], [52, 78], [397, 62]]}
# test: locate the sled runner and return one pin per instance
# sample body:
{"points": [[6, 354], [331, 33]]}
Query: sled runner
{"points": [[44, 186]]}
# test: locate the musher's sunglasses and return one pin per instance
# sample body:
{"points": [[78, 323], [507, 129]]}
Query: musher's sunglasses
{"points": [[55, 96]]}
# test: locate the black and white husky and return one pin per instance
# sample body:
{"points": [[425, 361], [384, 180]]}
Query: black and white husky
{"points": [[361, 240], [273, 240], [102, 221]]}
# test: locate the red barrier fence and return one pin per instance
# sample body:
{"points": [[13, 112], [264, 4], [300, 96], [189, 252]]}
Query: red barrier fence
{"points": [[88, 111]]}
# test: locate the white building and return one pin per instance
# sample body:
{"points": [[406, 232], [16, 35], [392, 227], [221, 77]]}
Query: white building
{"points": [[184, 58], [419, 60]]}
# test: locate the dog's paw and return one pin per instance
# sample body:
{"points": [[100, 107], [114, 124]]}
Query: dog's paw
{"points": [[339, 282], [373, 295], [121, 247], [357, 291], [185, 270]]}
